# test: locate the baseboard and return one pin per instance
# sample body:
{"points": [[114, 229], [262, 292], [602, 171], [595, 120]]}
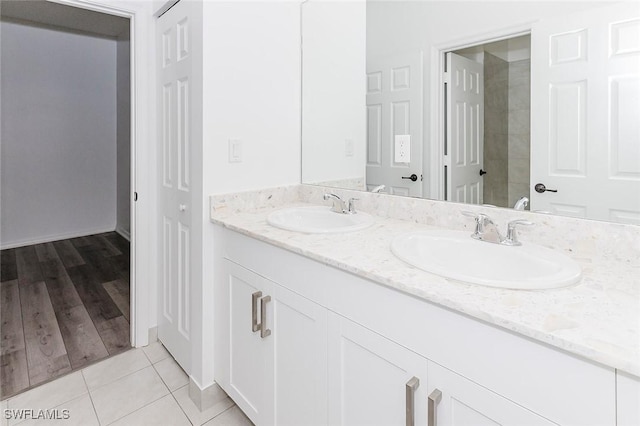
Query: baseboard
{"points": [[123, 233], [153, 334], [204, 398], [50, 238]]}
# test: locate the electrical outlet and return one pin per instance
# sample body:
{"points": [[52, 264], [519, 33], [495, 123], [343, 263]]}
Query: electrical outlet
{"points": [[402, 145], [348, 147], [235, 151]]}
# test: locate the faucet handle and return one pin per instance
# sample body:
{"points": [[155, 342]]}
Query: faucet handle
{"points": [[512, 236], [481, 220], [351, 205]]}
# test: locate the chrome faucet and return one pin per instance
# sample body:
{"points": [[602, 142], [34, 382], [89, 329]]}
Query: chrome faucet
{"points": [[378, 189], [521, 203], [339, 205], [487, 230]]}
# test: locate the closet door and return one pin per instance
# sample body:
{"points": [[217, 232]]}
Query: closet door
{"points": [[179, 83]]}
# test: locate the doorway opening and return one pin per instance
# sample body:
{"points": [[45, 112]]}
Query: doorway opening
{"points": [[66, 190], [485, 110]]}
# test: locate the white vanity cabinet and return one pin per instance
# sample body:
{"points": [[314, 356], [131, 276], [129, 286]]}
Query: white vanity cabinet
{"points": [[346, 351], [628, 392], [457, 401], [375, 381], [372, 380], [276, 342]]}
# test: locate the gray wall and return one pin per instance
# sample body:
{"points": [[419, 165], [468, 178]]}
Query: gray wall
{"points": [[519, 129], [58, 174], [496, 130], [123, 213]]}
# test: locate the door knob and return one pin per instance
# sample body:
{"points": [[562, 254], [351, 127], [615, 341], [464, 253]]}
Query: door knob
{"points": [[182, 207], [413, 177], [540, 188], [482, 172]]}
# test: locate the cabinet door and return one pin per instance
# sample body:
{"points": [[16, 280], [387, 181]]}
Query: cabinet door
{"points": [[464, 402], [628, 391], [251, 356], [368, 376], [299, 336]]}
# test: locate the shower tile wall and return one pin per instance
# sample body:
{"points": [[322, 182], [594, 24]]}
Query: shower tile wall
{"points": [[496, 130], [519, 129]]}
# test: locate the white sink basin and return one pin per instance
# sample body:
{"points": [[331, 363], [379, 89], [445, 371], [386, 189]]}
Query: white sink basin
{"points": [[455, 255], [318, 220]]}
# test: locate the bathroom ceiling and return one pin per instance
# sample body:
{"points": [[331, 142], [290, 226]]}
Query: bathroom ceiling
{"points": [[68, 17]]}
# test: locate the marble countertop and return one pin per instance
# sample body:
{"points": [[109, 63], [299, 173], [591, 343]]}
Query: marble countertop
{"points": [[598, 318]]}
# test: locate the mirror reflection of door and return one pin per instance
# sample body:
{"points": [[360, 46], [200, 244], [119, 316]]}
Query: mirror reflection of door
{"points": [[586, 104], [394, 120], [488, 129], [465, 130]]}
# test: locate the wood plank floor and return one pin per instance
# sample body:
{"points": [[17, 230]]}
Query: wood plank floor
{"points": [[63, 306]]}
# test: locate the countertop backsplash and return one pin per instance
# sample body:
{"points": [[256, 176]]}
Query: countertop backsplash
{"points": [[585, 240]]}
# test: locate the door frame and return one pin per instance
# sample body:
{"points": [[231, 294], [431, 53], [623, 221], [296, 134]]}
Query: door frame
{"points": [[437, 124], [143, 240]]}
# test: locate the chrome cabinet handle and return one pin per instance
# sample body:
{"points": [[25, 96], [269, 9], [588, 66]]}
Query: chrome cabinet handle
{"points": [[433, 400], [411, 387], [264, 331], [255, 326]]}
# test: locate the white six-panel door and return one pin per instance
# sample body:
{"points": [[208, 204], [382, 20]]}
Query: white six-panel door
{"points": [[465, 129], [174, 32], [394, 107], [585, 109]]}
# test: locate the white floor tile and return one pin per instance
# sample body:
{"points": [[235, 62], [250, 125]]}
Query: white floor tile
{"points": [[3, 406], [164, 411], [126, 395], [50, 394], [113, 368], [232, 417], [81, 413], [221, 403], [156, 352], [171, 374]]}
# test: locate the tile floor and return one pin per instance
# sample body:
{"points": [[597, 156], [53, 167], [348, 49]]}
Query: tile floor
{"points": [[139, 387]]}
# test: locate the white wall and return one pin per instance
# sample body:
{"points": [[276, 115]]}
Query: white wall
{"points": [[58, 134], [123, 137], [333, 91], [252, 93], [251, 78]]}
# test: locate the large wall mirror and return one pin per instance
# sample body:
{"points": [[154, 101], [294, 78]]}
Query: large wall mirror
{"points": [[516, 104]]}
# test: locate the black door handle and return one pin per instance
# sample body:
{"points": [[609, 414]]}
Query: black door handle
{"points": [[482, 172], [540, 188], [413, 177]]}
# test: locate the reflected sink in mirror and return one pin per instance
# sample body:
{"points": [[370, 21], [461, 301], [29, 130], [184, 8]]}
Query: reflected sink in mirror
{"points": [[318, 220], [455, 255]]}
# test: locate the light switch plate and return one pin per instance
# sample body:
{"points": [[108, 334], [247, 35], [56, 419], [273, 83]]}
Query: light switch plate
{"points": [[348, 147], [402, 145], [235, 151]]}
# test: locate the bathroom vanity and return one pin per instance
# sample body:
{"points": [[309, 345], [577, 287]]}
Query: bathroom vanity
{"points": [[333, 329]]}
